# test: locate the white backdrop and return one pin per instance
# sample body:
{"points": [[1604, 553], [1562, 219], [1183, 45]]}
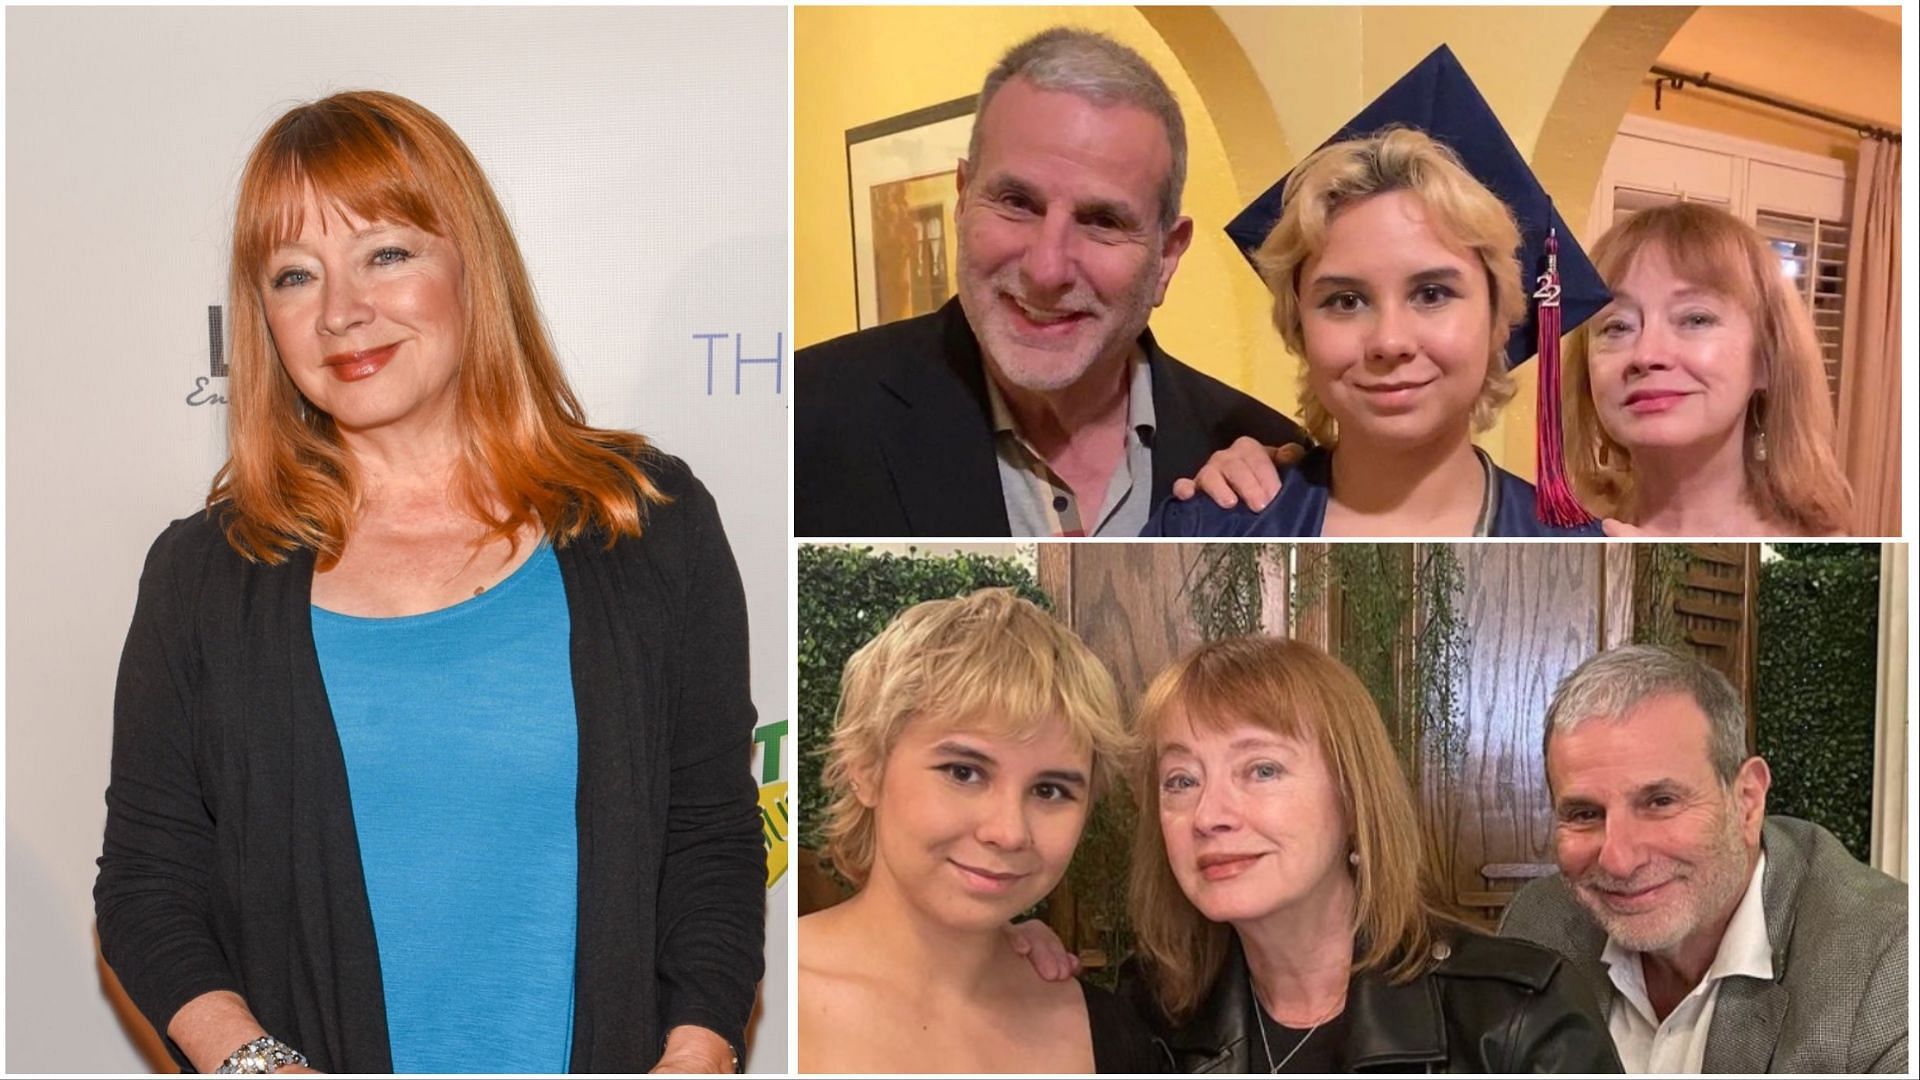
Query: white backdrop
{"points": [[641, 154]]}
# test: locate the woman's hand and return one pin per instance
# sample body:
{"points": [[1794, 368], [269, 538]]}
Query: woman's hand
{"points": [[1244, 470], [1612, 527], [1043, 949], [692, 1049]]}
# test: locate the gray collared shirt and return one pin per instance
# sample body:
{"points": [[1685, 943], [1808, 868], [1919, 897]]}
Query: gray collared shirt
{"points": [[1039, 503]]}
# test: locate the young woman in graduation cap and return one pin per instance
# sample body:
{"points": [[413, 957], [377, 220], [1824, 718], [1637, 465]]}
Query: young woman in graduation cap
{"points": [[1401, 257]]}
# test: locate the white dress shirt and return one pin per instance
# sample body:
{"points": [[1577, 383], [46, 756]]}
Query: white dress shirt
{"points": [[1678, 1044]]}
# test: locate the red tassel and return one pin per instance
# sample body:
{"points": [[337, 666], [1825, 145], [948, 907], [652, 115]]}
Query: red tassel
{"points": [[1554, 501]]}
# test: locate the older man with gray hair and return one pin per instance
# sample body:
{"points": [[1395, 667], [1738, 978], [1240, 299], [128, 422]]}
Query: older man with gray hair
{"points": [[1035, 403], [1717, 939]]}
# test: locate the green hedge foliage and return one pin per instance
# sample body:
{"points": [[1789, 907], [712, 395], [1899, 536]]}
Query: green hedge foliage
{"points": [[1814, 667], [848, 595]]}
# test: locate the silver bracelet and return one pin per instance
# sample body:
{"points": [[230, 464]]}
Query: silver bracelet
{"points": [[262, 1055]]}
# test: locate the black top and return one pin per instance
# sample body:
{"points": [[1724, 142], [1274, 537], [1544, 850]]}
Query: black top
{"points": [[1122, 1042], [1484, 1007], [1312, 1049], [893, 434], [230, 860]]}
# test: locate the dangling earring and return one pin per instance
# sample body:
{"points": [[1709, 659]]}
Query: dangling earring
{"points": [[1759, 446], [1756, 411]]}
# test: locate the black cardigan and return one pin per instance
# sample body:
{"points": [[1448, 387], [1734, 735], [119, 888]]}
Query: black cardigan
{"points": [[230, 860]]}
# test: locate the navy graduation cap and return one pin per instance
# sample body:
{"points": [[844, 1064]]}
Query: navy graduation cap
{"points": [[1438, 98]]}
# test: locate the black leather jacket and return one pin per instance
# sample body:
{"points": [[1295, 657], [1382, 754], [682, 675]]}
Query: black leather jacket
{"points": [[1491, 1005]]}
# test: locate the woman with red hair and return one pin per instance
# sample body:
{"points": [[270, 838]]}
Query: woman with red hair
{"points": [[431, 736], [1696, 401]]}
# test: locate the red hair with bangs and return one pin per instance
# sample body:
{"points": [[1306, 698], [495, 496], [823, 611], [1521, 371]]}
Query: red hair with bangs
{"points": [[1296, 691], [528, 455]]}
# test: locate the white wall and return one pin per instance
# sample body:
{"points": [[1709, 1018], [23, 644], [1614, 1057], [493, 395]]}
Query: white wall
{"points": [[642, 157]]}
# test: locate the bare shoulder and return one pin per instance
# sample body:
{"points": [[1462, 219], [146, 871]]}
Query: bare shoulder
{"points": [[822, 996], [1045, 1025], [1028, 995], [830, 965], [821, 940]]}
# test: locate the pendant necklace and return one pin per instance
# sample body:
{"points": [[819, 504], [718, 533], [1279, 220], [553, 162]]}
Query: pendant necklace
{"points": [[1260, 1018]]}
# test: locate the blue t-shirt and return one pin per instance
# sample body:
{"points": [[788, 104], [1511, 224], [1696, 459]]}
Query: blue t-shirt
{"points": [[462, 753]]}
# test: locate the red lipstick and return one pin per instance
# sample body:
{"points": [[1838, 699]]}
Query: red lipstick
{"points": [[354, 366]]}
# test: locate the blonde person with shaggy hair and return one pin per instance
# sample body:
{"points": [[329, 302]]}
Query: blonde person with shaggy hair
{"points": [[1696, 402], [1395, 279], [1284, 912], [972, 738]]}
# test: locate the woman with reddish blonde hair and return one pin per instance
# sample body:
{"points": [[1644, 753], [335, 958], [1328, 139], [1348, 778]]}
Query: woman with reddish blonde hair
{"points": [[1285, 916], [1696, 401], [432, 731]]}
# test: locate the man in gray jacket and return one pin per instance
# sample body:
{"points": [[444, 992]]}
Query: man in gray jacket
{"points": [[1716, 938]]}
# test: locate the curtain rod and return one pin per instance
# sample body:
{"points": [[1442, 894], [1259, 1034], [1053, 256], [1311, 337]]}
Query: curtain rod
{"points": [[1678, 79]]}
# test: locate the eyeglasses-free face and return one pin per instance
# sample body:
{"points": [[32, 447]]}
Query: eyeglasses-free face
{"points": [[1061, 253], [1253, 822], [1673, 364], [1397, 324], [369, 320], [973, 828]]}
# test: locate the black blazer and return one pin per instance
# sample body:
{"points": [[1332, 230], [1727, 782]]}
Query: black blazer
{"points": [[1486, 1007], [894, 434], [231, 861]]}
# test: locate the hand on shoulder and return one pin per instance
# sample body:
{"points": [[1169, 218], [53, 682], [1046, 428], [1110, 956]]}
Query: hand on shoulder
{"points": [[1244, 470]]}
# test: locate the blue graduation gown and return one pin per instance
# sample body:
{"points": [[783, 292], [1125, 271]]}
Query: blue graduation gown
{"points": [[1301, 508]]}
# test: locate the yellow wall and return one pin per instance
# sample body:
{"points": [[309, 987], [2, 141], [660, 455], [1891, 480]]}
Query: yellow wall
{"points": [[1833, 58], [856, 65]]}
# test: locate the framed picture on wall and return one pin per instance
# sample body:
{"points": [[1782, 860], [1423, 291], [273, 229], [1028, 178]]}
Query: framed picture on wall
{"points": [[901, 188]]}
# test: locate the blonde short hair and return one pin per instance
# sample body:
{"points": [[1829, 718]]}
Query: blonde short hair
{"points": [[1459, 208], [1800, 481], [1296, 691], [987, 661]]}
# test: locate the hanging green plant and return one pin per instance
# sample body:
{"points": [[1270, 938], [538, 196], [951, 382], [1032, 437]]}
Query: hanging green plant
{"points": [[1223, 588], [1401, 630]]}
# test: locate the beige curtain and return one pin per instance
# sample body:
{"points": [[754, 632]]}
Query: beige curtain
{"points": [[1870, 339], [1889, 840]]}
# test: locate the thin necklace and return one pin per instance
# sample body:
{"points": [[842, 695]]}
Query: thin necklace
{"points": [[1260, 1018]]}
